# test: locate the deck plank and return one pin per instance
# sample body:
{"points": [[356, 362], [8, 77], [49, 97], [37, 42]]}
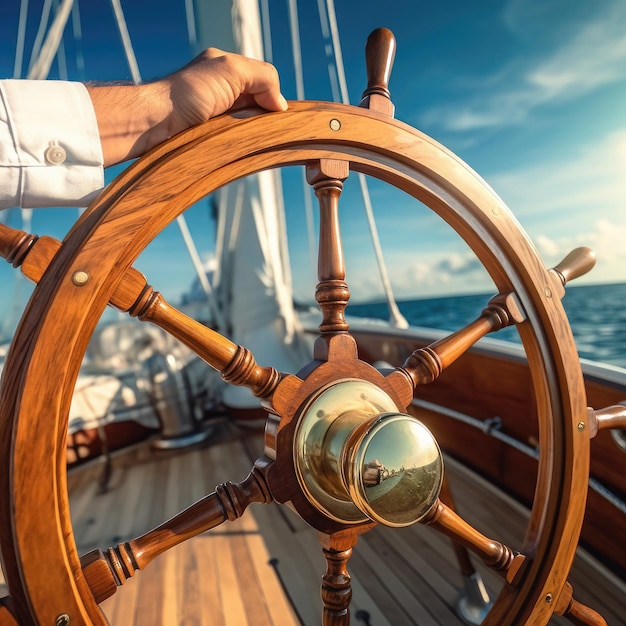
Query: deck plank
{"points": [[437, 595], [190, 591], [299, 579], [150, 595], [231, 594], [279, 609], [122, 608], [485, 506], [402, 605], [265, 569]]}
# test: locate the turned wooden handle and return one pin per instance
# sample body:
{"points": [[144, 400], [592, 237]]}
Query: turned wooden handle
{"points": [[332, 293], [608, 417], [576, 264], [380, 51], [585, 616], [576, 612], [15, 244]]}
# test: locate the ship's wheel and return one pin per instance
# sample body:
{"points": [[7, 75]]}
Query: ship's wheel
{"points": [[327, 424]]}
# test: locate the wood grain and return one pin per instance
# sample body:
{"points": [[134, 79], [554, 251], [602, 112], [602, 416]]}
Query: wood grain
{"points": [[35, 520]]}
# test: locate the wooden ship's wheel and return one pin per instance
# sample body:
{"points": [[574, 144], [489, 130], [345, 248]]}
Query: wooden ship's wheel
{"points": [[330, 427]]}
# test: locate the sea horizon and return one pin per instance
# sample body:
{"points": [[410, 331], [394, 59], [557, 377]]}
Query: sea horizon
{"points": [[596, 313]]}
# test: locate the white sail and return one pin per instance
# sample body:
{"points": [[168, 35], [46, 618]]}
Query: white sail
{"points": [[253, 280]]}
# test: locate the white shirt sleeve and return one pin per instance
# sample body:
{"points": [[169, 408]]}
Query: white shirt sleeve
{"points": [[50, 152]]}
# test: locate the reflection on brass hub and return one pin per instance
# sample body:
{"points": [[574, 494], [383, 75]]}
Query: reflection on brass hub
{"points": [[358, 459]]}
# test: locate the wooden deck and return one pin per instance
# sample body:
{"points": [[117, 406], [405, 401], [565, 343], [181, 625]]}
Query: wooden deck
{"points": [[265, 568]]}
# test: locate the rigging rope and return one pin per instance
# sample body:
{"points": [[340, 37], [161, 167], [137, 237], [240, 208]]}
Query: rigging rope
{"points": [[78, 39], [200, 270], [41, 66], [297, 62], [61, 60], [41, 32], [126, 42], [21, 36], [192, 33], [267, 31], [331, 18], [332, 74]]}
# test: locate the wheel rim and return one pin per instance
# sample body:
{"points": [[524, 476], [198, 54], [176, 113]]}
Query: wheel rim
{"points": [[149, 196]]}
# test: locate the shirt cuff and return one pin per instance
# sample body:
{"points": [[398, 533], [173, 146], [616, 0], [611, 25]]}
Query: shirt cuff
{"points": [[50, 152]]}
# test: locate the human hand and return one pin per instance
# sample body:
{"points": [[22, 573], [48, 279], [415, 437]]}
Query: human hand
{"points": [[216, 82], [134, 118]]}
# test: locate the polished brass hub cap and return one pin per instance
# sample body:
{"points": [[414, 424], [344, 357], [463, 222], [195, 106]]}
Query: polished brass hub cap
{"points": [[358, 459]]}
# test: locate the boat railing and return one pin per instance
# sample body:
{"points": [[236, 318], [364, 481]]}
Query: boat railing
{"points": [[492, 428]]}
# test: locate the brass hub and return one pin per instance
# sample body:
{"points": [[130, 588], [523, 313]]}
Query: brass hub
{"points": [[358, 459]]}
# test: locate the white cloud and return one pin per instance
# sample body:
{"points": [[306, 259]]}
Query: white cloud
{"points": [[527, 17], [578, 202], [590, 182], [605, 238], [548, 247], [428, 274], [458, 264], [449, 272], [593, 56]]}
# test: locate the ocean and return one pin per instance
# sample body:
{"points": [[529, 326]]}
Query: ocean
{"points": [[597, 315]]}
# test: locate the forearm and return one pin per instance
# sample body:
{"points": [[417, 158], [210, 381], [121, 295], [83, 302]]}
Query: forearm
{"points": [[131, 118]]}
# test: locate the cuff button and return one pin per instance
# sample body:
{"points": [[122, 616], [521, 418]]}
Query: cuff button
{"points": [[55, 155]]}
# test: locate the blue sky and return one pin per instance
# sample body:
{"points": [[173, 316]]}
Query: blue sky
{"points": [[530, 93]]}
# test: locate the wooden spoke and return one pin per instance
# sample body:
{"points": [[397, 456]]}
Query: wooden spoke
{"points": [[473, 601], [30, 252], [426, 364], [236, 363], [461, 552], [493, 553], [134, 296], [106, 571], [336, 590], [332, 294], [15, 244]]}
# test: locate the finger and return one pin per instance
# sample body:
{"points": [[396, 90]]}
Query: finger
{"points": [[247, 100], [263, 86], [253, 81], [271, 101]]}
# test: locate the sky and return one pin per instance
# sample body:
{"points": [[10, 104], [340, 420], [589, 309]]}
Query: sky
{"points": [[530, 93]]}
